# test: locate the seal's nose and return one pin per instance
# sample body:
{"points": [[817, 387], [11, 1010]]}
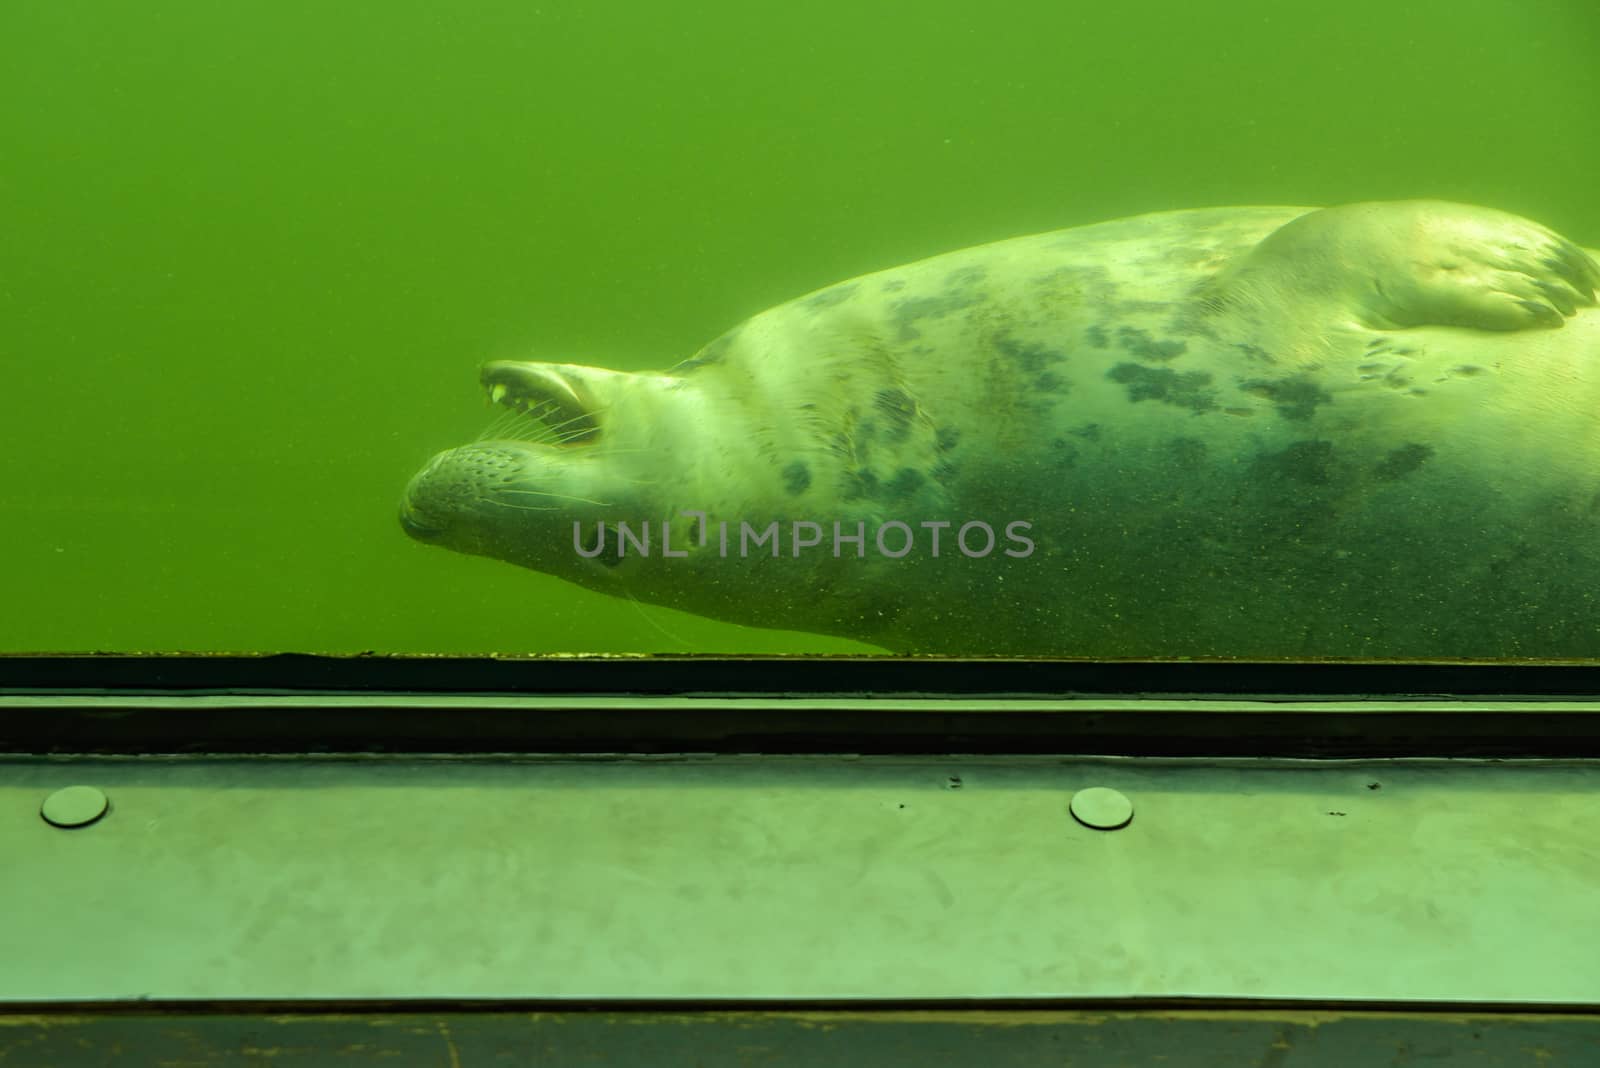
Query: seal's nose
{"points": [[416, 527]]}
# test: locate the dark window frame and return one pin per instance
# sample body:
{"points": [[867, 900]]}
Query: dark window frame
{"points": [[311, 704]]}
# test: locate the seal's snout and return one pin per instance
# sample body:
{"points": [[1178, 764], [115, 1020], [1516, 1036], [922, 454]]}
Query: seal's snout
{"points": [[559, 403], [418, 528]]}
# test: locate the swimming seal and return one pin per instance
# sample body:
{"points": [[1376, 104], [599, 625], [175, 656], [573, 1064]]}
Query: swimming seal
{"points": [[1361, 431]]}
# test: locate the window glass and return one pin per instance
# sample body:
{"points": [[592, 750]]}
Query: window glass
{"points": [[746, 291]]}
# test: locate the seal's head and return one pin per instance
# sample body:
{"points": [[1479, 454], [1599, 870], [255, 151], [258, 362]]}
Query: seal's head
{"points": [[636, 484], [557, 456]]}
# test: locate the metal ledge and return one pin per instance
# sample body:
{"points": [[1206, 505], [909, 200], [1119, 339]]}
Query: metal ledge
{"points": [[783, 878], [457, 1037]]}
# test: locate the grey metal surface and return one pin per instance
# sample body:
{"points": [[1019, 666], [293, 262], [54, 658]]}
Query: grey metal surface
{"points": [[800, 878], [949, 1039]]}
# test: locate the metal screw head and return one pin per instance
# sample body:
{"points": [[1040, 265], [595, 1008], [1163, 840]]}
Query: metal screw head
{"points": [[74, 806], [1102, 808]]}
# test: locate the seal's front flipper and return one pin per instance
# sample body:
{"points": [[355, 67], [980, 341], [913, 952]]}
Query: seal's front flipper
{"points": [[1420, 263]]}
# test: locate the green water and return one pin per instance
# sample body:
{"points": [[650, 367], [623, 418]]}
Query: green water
{"points": [[253, 252]]}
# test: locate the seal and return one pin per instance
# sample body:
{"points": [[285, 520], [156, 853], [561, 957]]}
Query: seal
{"points": [[1360, 431]]}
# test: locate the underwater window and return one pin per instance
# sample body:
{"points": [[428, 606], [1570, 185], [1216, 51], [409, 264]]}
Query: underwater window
{"points": [[563, 348]]}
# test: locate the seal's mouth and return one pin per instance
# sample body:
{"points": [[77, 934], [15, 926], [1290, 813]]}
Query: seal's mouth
{"points": [[544, 406]]}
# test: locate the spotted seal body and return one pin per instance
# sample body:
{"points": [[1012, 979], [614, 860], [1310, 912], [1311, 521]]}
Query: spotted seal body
{"points": [[1258, 432]]}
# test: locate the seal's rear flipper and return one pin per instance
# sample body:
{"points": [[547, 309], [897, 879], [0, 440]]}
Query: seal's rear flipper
{"points": [[1418, 263]]}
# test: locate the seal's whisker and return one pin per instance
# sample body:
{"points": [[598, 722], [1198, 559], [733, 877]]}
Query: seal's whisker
{"points": [[523, 424], [608, 451], [538, 411], [555, 496], [504, 422], [519, 507], [498, 429], [639, 481], [494, 425], [533, 425], [639, 606], [560, 431]]}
